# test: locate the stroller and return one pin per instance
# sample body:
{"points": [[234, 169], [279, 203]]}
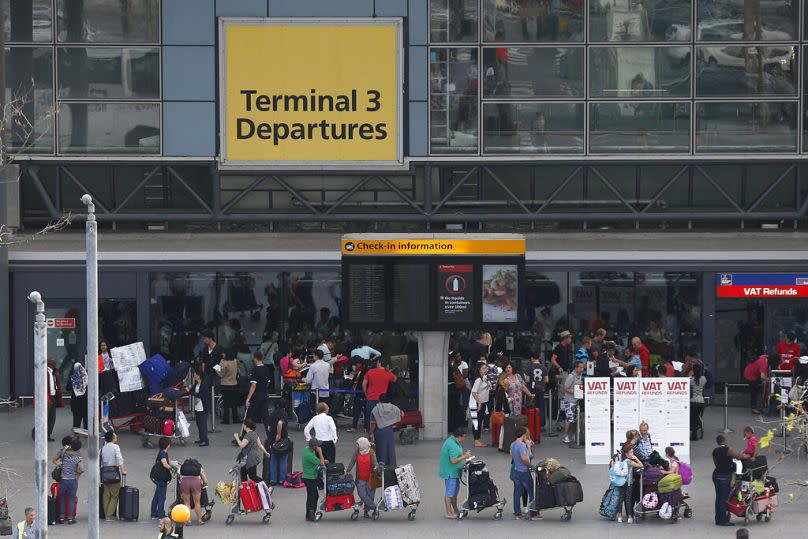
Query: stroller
{"points": [[251, 497], [205, 501], [339, 494], [400, 490], [653, 502], [754, 495], [564, 494], [481, 492]]}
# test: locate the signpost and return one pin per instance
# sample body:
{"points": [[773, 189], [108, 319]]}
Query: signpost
{"points": [[626, 409]]}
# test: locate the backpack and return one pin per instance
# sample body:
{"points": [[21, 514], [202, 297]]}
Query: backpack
{"points": [[686, 472], [294, 480], [669, 483], [609, 503], [618, 473], [191, 467]]}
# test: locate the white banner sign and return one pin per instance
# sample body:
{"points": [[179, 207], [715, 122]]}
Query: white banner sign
{"points": [[130, 380], [626, 409], [129, 356], [653, 410], [598, 407], [676, 432]]}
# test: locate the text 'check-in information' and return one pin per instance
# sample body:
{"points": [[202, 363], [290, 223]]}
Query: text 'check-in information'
{"points": [[313, 91], [455, 292]]}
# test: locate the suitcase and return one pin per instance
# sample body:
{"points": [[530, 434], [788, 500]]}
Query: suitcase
{"points": [[534, 423], [393, 499], [545, 494], [509, 430], [128, 502], [761, 504], [339, 503], [496, 423], [334, 469], [248, 494], [51, 510], [568, 493], [101, 513], [410, 489], [410, 417], [265, 494]]}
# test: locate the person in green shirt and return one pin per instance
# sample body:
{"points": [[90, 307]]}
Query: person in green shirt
{"points": [[312, 460], [451, 464]]}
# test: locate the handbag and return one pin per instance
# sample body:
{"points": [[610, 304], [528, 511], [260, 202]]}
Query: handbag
{"points": [[375, 480], [110, 475], [56, 474], [282, 446], [159, 473]]}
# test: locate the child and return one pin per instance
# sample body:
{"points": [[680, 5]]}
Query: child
{"points": [[750, 452]]}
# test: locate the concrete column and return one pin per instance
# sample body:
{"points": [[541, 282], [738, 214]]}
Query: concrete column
{"points": [[433, 383]]}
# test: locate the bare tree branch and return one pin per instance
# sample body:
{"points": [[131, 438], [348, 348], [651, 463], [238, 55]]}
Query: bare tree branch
{"points": [[8, 237]]}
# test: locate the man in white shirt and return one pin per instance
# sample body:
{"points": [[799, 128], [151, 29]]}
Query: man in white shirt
{"points": [[327, 348], [317, 376], [367, 353], [323, 428], [51, 397]]}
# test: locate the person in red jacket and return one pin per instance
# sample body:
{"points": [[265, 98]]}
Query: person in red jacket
{"points": [[789, 351], [645, 355]]}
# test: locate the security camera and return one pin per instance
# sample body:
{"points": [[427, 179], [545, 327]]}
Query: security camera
{"points": [[86, 200], [34, 297]]}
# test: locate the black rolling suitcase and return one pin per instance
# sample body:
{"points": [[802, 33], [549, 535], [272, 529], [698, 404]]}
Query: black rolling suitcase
{"points": [[509, 430], [129, 502]]}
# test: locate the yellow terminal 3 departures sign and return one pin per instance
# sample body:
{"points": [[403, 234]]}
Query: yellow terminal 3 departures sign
{"points": [[310, 92]]}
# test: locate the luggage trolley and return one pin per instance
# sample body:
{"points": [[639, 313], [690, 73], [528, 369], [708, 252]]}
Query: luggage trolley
{"points": [[475, 471], [330, 504], [651, 501], [239, 508], [382, 505], [158, 416], [754, 496], [546, 496], [204, 500]]}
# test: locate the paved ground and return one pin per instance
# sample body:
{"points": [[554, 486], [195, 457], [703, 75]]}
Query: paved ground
{"points": [[16, 449]]}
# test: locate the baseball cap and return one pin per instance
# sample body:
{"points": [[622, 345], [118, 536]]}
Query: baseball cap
{"points": [[564, 334]]}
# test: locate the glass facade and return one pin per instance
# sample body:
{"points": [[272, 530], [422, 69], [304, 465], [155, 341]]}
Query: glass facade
{"points": [[634, 76], [93, 57]]}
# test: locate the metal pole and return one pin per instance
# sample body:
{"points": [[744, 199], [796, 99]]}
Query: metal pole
{"points": [[93, 481], [551, 432], [40, 416], [213, 411], [726, 429]]}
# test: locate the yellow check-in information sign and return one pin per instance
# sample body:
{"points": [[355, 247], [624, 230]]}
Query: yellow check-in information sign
{"points": [[311, 91]]}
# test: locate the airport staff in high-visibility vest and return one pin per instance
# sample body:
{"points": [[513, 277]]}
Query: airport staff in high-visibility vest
{"points": [[26, 528]]}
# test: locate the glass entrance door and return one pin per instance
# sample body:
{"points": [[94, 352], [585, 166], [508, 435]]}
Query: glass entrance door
{"points": [[65, 336], [739, 336]]}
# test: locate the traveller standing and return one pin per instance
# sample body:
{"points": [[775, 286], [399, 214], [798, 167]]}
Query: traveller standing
{"points": [[632, 463], [756, 374], [515, 388], [72, 468], [644, 445], [252, 451], [105, 356], [312, 460], [789, 351], [365, 460], [327, 348], [323, 428], [697, 384], [279, 461], [26, 529], [317, 376], [537, 376], [212, 351], [561, 357], [645, 355], [570, 402], [722, 479], [384, 417], [192, 480], [452, 458], [478, 403], [53, 397], [376, 382], [357, 377], [202, 390], [521, 453], [111, 457], [229, 387], [78, 395], [259, 385], [160, 476]]}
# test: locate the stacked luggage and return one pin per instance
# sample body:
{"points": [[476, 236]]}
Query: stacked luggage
{"points": [[339, 491], [400, 490], [252, 497], [556, 487], [662, 493], [754, 496], [481, 490]]}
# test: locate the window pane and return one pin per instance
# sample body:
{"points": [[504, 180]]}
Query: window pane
{"points": [[533, 128], [746, 127], [100, 73], [29, 95], [632, 20], [115, 128], [533, 20], [27, 21], [639, 127], [739, 71], [735, 20], [639, 72], [529, 72], [453, 20], [102, 21], [453, 100]]}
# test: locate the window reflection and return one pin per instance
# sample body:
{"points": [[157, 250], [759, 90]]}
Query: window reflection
{"points": [[746, 127], [533, 128], [639, 72], [734, 20], [102, 21], [27, 21], [115, 128], [533, 20], [632, 127], [453, 20], [529, 72], [752, 71], [100, 73], [454, 85], [636, 20], [29, 81]]}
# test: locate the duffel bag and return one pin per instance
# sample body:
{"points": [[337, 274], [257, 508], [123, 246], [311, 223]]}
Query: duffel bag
{"points": [[569, 492], [652, 475], [610, 503], [560, 475], [669, 483], [340, 486]]}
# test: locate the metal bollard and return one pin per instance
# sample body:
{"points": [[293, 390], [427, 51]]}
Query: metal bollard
{"points": [[212, 411], [726, 429], [578, 424]]}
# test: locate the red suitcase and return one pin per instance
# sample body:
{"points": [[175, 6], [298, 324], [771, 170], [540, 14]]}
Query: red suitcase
{"points": [[248, 494], [534, 423], [410, 417], [497, 420], [339, 503]]}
